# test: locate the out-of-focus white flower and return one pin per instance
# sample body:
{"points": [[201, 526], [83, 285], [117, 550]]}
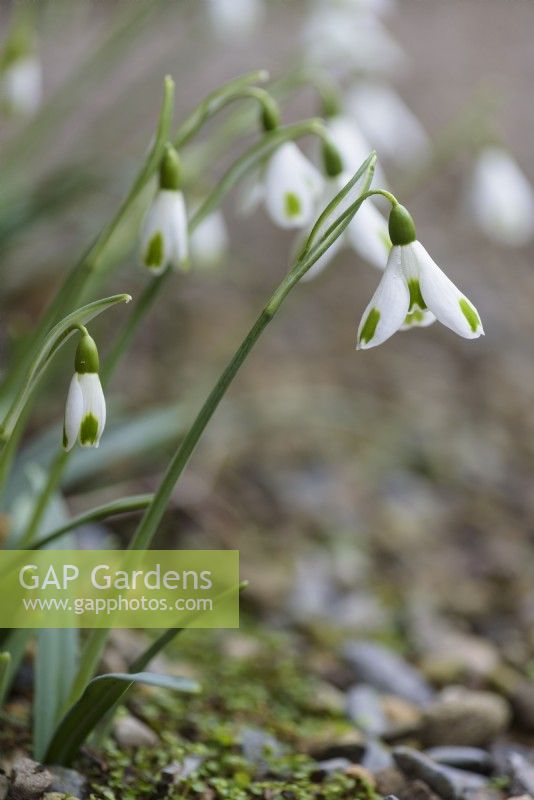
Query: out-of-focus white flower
{"points": [[387, 121], [367, 232], [501, 198], [348, 39], [352, 145], [411, 286], [164, 238], [209, 241], [292, 186], [21, 85], [85, 410], [234, 20]]}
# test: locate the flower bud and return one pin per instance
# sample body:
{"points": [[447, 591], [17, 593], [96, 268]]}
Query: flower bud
{"points": [[401, 226]]}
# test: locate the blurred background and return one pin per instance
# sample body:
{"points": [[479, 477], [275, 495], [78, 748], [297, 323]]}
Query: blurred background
{"points": [[385, 493]]}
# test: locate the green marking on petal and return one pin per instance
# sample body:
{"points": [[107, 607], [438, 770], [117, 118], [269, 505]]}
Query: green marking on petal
{"points": [[369, 328], [154, 251], [89, 430], [470, 314], [65, 440], [383, 235], [414, 318], [292, 204], [416, 298]]}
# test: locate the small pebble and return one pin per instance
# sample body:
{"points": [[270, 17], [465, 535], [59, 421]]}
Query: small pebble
{"points": [[67, 781], [447, 782], [365, 710], [131, 732], [376, 757], [470, 758], [378, 666], [257, 745], [29, 780], [466, 718]]}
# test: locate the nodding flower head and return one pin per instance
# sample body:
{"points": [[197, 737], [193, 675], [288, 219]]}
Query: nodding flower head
{"points": [[164, 239], [414, 291], [85, 410], [292, 186], [501, 198]]}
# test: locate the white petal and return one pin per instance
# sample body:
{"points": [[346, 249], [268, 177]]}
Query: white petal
{"points": [[292, 186], [368, 235], [175, 228], [450, 306], [73, 413], [390, 302], [388, 122], [164, 232], [94, 404], [501, 198], [354, 148], [21, 86], [234, 20], [209, 240]]}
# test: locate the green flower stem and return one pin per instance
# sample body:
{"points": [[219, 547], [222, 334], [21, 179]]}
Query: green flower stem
{"points": [[154, 513]]}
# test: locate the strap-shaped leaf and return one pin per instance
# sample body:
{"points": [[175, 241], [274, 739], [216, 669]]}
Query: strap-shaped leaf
{"points": [[99, 696], [51, 344]]}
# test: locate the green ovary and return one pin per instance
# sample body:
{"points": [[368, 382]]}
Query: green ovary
{"points": [[416, 298], [154, 251], [369, 328], [414, 318], [470, 314], [292, 205], [89, 430]]}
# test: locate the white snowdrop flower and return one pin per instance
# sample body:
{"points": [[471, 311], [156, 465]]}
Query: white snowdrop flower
{"points": [[411, 285], [234, 20], [354, 39], [164, 238], [85, 410], [292, 186], [501, 198], [387, 121], [209, 241], [367, 233], [352, 145], [21, 85]]}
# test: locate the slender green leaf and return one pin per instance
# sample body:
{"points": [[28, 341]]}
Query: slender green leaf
{"points": [[15, 643], [99, 696], [5, 664]]}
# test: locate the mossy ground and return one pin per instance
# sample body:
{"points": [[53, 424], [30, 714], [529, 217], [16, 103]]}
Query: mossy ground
{"points": [[270, 689]]}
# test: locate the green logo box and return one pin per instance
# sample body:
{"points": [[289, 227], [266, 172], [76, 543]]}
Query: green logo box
{"points": [[119, 589]]}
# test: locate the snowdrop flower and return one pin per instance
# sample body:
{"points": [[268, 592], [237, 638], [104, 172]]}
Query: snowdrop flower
{"points": [[388, 122], [501, 198], [367, 233], [85, 410], [412, 286], [209, 241], [351, 144], [291, 187], [21, 85], [164, 240], [356, 39], [235, 19]]}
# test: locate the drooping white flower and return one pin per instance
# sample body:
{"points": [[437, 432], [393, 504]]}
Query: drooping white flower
{"points": [[85, 410], [501, 198], [209, 241], [367, 233], [164, 239], [21, 85], [234, 20], [412, 285], [351, 39], [292, 186], [387, 121], [352, 145]]}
